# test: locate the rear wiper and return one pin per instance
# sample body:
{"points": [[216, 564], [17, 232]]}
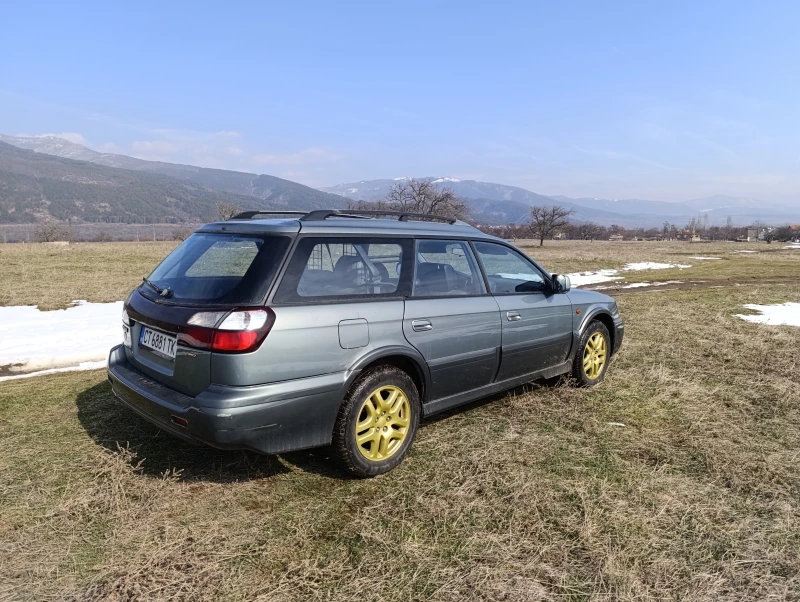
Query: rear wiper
{"points": [[164, 292]]}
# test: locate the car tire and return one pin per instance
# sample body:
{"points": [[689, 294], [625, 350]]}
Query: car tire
{"points": [[377, 422], [593, 356]]}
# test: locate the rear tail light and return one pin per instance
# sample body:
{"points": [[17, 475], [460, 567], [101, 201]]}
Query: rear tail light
{"points": [[238, 332]]}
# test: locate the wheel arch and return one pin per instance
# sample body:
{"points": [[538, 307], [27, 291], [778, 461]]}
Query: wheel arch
{"points": [[603, 316], [407, 360]]}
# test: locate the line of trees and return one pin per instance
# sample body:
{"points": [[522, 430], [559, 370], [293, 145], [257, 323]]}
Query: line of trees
{"points": [[547, 222]]}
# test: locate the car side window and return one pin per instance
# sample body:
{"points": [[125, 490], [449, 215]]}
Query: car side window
{"points": [[345, 267], [508, 271], [446, 268]]}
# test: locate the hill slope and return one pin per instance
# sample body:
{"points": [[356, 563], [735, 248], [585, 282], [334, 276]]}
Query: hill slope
{"points": [[36, 185], [493, 203], [279, 192]]}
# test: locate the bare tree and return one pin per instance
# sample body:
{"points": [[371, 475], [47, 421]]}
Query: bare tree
{"points": [[423, 196], [546, 221], [728, 227], [417, 196], [589, 231], [227, 210], [182, 233], [51, 232]]}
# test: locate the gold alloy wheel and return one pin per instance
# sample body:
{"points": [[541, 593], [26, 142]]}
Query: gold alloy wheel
{"points": [[383, 423], [594, 355]]}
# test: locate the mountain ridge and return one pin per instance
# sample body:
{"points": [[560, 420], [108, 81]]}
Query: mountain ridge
{"points": [[624, 212], [490, 203], [278, 191], [37, 186]]}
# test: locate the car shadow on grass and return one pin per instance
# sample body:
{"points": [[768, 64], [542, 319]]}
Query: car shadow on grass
{"points": [[113, 426]]}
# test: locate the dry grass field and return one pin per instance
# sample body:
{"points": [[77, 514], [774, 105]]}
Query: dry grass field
{"points": [[676, 479]]}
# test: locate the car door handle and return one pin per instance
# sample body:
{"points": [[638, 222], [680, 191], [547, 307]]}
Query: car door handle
{"points": [[421, 325], [513, 316]]}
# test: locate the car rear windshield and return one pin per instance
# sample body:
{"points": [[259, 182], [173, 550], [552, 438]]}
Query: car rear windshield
{"points": [[218, 269]]}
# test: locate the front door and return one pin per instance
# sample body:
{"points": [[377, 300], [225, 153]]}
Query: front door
{"points": [[451, 319], [536, 323]]}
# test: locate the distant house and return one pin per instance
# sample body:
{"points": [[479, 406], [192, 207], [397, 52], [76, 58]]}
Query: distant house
{"points": [[616, 238], [752, 234], [560, 236]]}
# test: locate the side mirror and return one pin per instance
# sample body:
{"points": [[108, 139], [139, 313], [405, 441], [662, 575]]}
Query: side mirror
{"points": [[561, 283]]}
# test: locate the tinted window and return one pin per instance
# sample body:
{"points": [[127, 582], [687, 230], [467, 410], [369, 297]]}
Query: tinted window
{"points": [[507, 271], [345, 267], [446, 268], [219, 269]]}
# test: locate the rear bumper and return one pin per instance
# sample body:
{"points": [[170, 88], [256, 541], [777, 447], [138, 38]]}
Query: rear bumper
{"points": [[268, 419], [619, 334]]}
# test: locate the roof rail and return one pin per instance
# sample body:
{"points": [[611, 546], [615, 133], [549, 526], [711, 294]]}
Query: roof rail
{"points": [[401, 215], [252, 214], [319, 215]]}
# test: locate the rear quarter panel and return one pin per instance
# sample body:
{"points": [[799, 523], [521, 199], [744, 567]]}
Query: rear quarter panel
{"points": [[305, 341]]}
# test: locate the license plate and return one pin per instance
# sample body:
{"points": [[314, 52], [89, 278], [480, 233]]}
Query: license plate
{"points": [[159, 342]]}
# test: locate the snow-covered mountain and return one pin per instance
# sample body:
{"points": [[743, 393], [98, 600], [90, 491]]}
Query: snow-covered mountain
{"points": [[497, 202], [490, 202]]}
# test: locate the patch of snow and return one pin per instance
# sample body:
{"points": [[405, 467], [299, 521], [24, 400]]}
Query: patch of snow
{"points": [[445, 180], [745, 251], [81, 366], [775, 315], [792, 246], [579, 279], [704, 258], [35, 341], [641, 284], [651, 265], [399, 179]]}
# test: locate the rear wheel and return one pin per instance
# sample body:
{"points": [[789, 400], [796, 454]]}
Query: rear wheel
{"points": [[377, 422], [594, 352]]}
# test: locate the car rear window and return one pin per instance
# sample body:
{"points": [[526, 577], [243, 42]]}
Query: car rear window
{"points": [[219, 269], [330, 268]]}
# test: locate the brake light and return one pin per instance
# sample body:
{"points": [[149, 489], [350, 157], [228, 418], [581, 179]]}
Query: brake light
{"points": [[239, 331], [234, 341]]}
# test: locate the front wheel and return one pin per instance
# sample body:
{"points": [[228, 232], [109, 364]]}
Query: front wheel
{"points": [[377, 422], [591, 360]]}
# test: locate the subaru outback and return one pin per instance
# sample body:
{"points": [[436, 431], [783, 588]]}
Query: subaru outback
{"points": [[282, 331]]}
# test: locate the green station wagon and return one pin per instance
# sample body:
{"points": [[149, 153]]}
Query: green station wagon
{"points": [[282, 331]]}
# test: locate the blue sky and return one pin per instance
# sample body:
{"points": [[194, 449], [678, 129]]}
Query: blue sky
{"points": [[666, 101]]}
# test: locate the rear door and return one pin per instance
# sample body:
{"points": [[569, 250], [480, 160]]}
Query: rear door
{"points": [[536, 323], [451, 319], [192, 290]]}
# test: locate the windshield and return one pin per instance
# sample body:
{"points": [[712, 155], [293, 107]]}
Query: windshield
{"points": [[218, 269]]}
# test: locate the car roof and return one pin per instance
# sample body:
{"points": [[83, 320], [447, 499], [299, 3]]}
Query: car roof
{"points": [[349, 225]]}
